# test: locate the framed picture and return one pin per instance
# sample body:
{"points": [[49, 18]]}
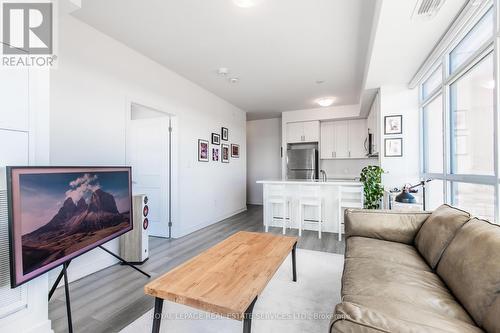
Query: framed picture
{"points": [[215, 139], [215, 154], [225, 153], [235, 151], [203, 150], [225, 134], [394, 147], [393, 124]]}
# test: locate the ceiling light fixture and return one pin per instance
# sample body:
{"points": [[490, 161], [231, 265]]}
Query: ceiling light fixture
{"points": [[234, 80], [223, 71], [244, 3], [326, 101]]}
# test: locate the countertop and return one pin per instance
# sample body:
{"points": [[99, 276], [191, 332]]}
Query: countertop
{"points": [[330, 182]]}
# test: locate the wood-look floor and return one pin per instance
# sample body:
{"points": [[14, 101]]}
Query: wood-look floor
{"points": [[112, 298]]}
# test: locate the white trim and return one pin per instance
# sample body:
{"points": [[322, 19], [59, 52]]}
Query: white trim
{"points": [[467, 18]]}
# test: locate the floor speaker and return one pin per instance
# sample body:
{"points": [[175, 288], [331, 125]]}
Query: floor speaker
{"points": [[134, 245]]}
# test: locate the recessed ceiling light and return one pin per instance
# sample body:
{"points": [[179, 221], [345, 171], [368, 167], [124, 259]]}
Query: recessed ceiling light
{"points": [[223, 71], [319, 81], [234, 80], [244, 3], [326, 101]]}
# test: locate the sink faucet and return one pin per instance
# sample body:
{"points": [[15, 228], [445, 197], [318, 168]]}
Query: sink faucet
{"points": [[323, 174]]}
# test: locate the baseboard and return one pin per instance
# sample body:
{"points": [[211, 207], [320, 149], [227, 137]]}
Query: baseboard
{"points": [[44, 327], [184, 232]]}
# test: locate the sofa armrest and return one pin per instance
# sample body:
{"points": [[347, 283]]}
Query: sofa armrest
{"points": [[401, 227]]}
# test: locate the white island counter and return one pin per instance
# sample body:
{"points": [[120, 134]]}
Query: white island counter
{"points": [[335, 195]]}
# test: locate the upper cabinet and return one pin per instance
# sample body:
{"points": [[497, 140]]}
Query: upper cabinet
{"points": [[373, 124], [343, 139], [300, 132]]}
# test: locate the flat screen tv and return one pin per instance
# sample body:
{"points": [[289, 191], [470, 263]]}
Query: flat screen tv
{"points": [[59, 213]]}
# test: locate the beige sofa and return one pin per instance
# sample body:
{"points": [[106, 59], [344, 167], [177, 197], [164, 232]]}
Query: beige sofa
{"points": [[419, 272]]}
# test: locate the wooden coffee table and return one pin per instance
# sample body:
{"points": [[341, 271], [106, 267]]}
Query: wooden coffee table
{"points": [[225, 279]]}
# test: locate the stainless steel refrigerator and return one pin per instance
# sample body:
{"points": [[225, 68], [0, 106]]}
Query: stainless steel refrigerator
{"points": [[302, 164]]}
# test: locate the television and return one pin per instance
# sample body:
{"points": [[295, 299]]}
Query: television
{"points": [[59, 213]]}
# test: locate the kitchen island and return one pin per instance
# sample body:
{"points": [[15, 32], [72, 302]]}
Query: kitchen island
{"points": [[335, 195]]}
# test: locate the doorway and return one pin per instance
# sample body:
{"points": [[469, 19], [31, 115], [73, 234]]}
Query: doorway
{"points": [[149, 147]]}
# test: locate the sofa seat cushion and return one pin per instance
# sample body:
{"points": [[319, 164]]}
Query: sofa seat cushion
{"points": [[390, 281], [438, 231], [471, 268], [369, 314], [362, 247]]}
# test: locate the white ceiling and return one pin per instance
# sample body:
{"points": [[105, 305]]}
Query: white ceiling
{"points": [[401, 44], [278, 49]]}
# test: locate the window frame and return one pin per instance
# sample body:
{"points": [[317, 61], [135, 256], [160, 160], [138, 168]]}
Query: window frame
{"points": [[491, 46]]}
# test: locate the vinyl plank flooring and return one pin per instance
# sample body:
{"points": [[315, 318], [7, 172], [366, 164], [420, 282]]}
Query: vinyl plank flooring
{"points": [[109, 300]]}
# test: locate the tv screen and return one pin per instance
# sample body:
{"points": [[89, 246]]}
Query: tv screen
{"points": [[57, 214]]}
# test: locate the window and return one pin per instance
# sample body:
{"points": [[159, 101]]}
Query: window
{"points": [[432, 83], [473, 41], [471, 99], [433, 133], [479, 200], [458, 122]]}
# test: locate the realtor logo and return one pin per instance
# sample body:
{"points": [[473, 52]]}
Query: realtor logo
{"points": [[27, 28]]}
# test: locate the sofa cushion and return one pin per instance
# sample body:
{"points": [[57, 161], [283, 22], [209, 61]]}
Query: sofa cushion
{"points": [[437, 232], [470, 266], [369, 314], [390, 281], [394, 226], [362, 247]]}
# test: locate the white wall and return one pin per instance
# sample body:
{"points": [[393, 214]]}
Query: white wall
{"points": [[399, 100], [24, 126], [263, 155], [95, 79]]}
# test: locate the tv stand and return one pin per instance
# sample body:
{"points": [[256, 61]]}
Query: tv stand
{"points": [[64, 274]]}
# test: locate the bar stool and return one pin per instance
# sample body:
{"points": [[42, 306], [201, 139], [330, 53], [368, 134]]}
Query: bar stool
{"points": [[311, 197], [276, 196], [349, 197]]}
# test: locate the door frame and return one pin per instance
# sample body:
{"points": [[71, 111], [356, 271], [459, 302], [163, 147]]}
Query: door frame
{"points": [[174, 152]]}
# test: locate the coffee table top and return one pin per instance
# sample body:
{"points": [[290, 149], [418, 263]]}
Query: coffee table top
{"points": [[226, 278]]}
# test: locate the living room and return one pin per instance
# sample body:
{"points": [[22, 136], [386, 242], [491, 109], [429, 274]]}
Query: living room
{"points": [[255, 165]]}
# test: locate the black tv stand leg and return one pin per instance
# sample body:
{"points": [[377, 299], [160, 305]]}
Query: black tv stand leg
{"points": [[59, 277], [68, 303], [124, 261]]}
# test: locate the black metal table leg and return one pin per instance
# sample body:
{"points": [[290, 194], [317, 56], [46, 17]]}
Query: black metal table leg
{"points": [[68, 303], [247, 320], [294, 263], [157, 315]]}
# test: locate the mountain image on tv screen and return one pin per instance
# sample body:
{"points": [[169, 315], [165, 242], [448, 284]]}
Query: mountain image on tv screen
{"points": [[64, 213]]}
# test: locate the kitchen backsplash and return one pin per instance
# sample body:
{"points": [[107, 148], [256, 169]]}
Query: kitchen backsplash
{"points": [[347, 168]]}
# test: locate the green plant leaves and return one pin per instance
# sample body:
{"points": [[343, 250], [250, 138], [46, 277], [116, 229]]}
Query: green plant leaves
{"points": [[371, 176]]}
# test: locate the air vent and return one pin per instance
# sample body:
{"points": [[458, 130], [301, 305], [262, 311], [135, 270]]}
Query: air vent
{"points": [[426, 9]]}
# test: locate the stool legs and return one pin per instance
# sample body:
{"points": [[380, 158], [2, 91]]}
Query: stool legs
{"points": [[301, 219], [320, 221], [284, 216]]}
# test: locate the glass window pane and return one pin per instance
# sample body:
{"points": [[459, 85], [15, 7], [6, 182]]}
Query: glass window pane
{"points": [[434, 192], [433, 136], [432, 83], [479, 200], [479, 34], [472, 120]]}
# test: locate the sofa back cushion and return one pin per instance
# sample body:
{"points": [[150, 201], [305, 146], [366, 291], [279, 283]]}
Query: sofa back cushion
{"points": [[470, 267], [438, 231]]}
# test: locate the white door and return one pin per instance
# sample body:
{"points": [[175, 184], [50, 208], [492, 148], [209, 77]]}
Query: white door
{"points": [[311, 131], [295, 132], [148, 154], [327, 140], [341, 139], [357, 137]]}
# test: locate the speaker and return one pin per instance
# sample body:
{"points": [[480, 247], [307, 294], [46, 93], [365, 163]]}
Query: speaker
{"points": [[134, 245]]}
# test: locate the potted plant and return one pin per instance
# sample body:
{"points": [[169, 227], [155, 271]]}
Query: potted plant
{"points": [[371, 176]]}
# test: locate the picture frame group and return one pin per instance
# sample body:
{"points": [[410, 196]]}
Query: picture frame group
{"points": [[393, 147], [223, 153]]}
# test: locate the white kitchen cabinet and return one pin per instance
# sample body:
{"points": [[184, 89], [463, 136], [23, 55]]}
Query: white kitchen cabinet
{"points": [[357, 138], [305, 131], [343, 139], [327, 140], [373, 124], [341, 131]]}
